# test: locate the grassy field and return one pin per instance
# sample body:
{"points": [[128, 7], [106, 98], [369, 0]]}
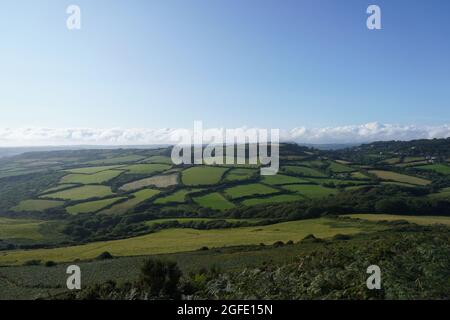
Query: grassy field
{"points": [[160, 181], [202, 175], [138, 197], [99, 177], [92, 206], [158, 159], [311, 191], [303, 171], [359, 175], [339, 168], [442, 194], [59, 187], [180, 240], [272, 199], [422, 220], [91, 170], [394, 176], [20, 229], [240, 174], [146, 168], [249, 190], [214, 201], [440, 168], [37, 205], [81, 193], [280, 179], [117, 160], [176, 197]]}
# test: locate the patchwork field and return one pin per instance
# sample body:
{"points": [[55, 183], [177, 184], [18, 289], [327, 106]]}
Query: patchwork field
{"points": [[91, 170], [180, 240], [389, 175], [440, 168], [249, 190], [160, 181], [302, 171], [240, 174], [176, 197], [95, 178], [202, 175], [92, 206], [158, 159], [146, 168], [117, 160], [340, 168], [138, 197], [280, 179], [272, 199], [81, 193], [214, 201], [37, 205], [311, 191]]}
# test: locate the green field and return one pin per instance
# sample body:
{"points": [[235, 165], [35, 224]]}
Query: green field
{"points": [[249, 190], [398, 177], [146, 168], [91, 170], [240, 174], [158, 159], [91, 206], [138, 197], [302, 171], [311, 191], [176, 197], [340, 168], [280, 179], [160, 181], [422, 220], [359, 175], [442, 194], [122, 159], [440, 168], [95, 178], [59, 187], [81, 193], [273, 199], [214, 201], [202, 175], [20, 229], [180, 240], [37, 205]]}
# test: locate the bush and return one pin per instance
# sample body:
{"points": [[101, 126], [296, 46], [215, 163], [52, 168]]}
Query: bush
{"points": [[50, 264], [105, 256], [32, 263], [161, 279]]}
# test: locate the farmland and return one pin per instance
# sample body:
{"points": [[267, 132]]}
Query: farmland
{"points": [[311, 191], [137, 198], [302, 171], [393, 176], [160, 181], [179, 240], [280, 179], [202, 175], [214, 201], [249, 190], [81, 193], [95, 178], [37, 205], [146, 168], [440, 168], [91, 206]]}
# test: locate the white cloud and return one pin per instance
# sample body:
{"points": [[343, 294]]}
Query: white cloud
{"points": [[115, 136]]}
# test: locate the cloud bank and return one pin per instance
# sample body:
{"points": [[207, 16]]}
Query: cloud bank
{"points": [[369, 132]]}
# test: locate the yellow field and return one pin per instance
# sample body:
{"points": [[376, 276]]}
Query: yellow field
{"points": [[422, 220], [179, 240], [389, 175]]}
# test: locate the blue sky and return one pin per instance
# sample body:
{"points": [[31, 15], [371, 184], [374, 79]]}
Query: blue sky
{"points": [[273, 64]]}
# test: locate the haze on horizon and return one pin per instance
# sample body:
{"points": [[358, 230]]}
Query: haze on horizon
{"points": [[310, 68]]}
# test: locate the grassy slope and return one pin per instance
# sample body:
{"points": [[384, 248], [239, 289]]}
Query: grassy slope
{"points": [[422, 220], [179, 240]]}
